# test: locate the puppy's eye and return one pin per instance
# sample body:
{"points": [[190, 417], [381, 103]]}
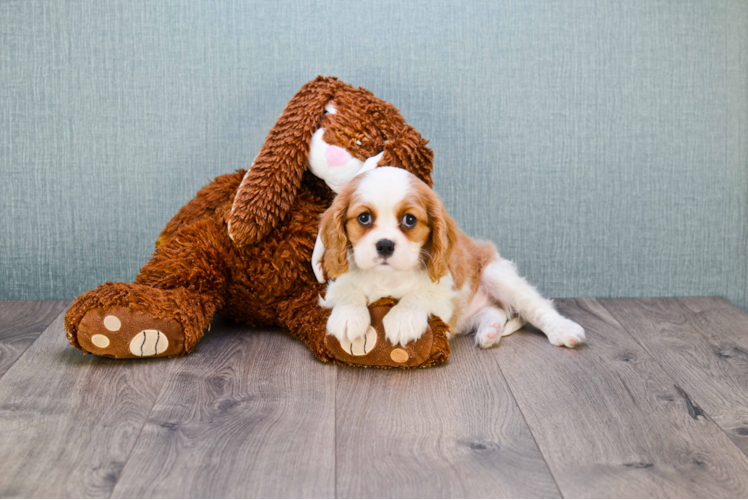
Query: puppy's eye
{"points": [[364, 219], [409, 221]]}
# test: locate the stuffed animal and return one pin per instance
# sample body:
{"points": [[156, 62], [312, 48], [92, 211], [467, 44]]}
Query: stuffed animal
{"points": [[243, 246]]}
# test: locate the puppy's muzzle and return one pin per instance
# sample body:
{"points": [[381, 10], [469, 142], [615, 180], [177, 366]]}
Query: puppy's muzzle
{"points": [[385, 248]]}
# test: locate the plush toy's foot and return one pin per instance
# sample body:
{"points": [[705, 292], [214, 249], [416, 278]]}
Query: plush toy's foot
{"points": [[122, 320], [121, 332], [374, 350]]}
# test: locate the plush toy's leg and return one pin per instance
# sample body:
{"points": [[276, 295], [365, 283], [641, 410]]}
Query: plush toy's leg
{"points": [[124, 320], [166, 310], [307, 321]]}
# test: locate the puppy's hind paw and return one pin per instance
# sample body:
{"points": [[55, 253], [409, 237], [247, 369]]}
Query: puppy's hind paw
{"points": [[488, 335], [565, 333]]}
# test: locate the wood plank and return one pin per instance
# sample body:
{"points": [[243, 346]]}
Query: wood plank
{"points": [[702, 342], [21, 322], [251, 414], [450, 431], [67, 421], [610, 421]]}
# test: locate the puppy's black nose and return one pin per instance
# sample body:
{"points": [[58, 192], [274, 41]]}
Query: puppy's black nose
{"points": [[385, 248]]}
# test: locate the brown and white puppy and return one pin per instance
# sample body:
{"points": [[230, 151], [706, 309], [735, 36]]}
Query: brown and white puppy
{"points": [[388, 234]]}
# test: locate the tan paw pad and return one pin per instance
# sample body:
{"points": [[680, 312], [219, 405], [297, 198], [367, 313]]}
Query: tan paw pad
{"points": [[362, 345], [149, 343], [112, 323], [100, 340], [399, 355]]}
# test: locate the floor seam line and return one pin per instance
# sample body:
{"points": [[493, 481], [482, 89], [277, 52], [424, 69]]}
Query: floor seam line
{"points": [[145, 421], [36, 339], [529, 429]]}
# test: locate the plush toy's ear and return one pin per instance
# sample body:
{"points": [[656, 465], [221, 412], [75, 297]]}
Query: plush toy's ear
{"points": [[409, 151], [334, 237], [269, 187], [443, 238]]}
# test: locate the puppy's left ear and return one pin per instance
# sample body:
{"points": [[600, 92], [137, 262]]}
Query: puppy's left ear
{"points": [[443, 237], [334, 237]]}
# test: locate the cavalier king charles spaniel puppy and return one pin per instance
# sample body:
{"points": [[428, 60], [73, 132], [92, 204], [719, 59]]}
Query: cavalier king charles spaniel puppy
{"points": [[388, 234]]}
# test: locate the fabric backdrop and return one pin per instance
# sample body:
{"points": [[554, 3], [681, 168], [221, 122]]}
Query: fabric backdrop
{"points": [[603, 145]]}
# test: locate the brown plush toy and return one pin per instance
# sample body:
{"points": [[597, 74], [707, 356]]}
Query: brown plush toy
{"points": [[243, 246]]}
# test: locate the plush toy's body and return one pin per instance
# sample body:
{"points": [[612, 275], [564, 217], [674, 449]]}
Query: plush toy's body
{"points": [[243, 246]]}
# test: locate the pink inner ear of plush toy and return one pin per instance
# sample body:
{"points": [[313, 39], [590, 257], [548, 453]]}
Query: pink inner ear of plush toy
{"points": [[337, 156]]}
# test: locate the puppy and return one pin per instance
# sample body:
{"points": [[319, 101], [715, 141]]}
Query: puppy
{"points": [[388, 234]]}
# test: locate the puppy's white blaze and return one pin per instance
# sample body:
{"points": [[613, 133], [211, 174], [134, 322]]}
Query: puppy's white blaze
{"points": [[385, 186], [330, 108]]}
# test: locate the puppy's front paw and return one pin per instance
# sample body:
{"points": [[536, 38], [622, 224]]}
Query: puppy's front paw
{"points": [[348, 322], [404, 324], [565, 332]]}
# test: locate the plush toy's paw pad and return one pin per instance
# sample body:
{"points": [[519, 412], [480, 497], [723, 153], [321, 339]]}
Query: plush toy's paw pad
{"points": [[120, 332], [565, 333], [149, 343], [362, 345], [399, 355]]}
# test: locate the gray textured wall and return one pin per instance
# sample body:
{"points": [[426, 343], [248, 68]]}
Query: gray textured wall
{"points": [[602, 144]]}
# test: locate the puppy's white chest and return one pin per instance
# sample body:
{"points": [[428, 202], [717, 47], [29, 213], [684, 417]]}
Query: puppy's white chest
{"points": [[376, 285], [396, 282]]}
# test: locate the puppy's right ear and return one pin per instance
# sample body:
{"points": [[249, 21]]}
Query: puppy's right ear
{"points": [[334, 237], [443, 237], [269, 187]]}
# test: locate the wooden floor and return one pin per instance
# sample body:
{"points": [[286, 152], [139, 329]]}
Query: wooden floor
{"points": [[656, 405]]}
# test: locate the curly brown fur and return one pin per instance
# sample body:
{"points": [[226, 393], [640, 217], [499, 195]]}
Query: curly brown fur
{"points": [[193, 311]]}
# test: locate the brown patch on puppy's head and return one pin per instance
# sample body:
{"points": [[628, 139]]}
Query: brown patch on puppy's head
{"points": [[416, 206], [333, 231]]}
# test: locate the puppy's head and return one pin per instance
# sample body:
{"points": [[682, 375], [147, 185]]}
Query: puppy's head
{"points": [[387, 219]]}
